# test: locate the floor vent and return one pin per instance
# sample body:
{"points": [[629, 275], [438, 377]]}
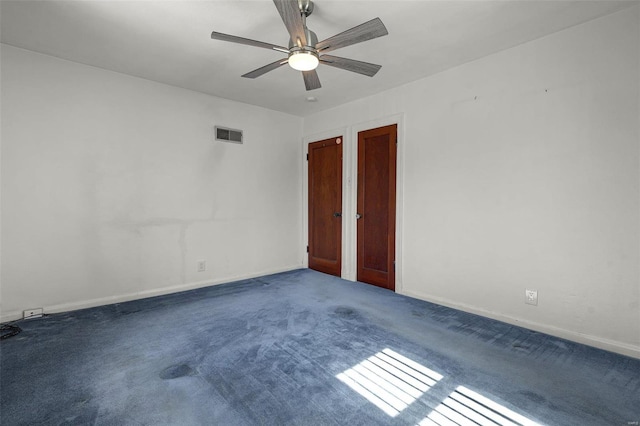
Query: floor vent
{"points": [[228, 135]]}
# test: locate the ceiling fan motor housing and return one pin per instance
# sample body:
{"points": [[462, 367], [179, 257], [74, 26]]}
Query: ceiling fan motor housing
{"points": [[312, 40], [304, 58]]}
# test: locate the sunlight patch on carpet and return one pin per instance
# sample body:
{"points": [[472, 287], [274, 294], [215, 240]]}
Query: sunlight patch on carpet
{"points": [[389, 380], [466, 407]]}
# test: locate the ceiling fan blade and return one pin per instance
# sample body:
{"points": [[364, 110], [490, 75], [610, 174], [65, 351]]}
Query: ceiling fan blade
{"points": [[235, 39], [290, 13], [363, 32], [311, 80], [364, 68], [263, 70]]}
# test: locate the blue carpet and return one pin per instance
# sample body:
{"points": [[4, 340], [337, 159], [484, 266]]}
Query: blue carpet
{"points": [[303, 348]]}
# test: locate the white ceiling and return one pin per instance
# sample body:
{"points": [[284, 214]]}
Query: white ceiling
{"points": [[169, 41]]}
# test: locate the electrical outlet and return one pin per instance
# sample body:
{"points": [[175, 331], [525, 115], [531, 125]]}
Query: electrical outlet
{"points": [[32, 313], [531, 297], [202, 265]]}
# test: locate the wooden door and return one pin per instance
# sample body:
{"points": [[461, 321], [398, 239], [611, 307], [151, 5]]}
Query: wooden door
{"points": [[377, 206], [325, 206]]}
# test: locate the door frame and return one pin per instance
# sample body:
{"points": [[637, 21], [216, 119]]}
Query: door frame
{"points": [[350, 192]]}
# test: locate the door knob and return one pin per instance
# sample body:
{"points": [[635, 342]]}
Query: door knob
{"points": [[337, 214], [358, 215]]}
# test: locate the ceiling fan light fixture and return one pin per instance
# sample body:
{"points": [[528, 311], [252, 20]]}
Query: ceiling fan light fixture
{"points": [[303, 61]]}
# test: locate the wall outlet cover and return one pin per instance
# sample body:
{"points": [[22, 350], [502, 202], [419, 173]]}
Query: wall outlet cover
{"points": [[202, 265], [531, 297]]}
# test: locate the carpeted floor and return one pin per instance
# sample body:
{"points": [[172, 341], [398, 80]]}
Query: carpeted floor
{"points": [[303, 348]]}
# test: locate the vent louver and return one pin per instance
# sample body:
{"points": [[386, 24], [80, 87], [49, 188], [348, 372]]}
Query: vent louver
{"points": [[228, 135]]}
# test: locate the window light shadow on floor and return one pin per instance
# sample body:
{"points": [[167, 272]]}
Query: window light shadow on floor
{"points": [[466, 407], [389, 380]]}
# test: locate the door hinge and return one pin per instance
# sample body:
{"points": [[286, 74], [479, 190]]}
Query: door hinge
{"points": [[394, 265], [307, 249], [307, 157]]}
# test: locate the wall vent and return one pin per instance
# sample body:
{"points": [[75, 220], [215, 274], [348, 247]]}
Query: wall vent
{"points": [[228, 135]]}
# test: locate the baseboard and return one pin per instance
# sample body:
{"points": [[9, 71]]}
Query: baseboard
{"points": [[91, 303], [585, 339]]}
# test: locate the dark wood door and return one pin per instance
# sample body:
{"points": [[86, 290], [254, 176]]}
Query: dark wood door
{"points": [[325, 206], [377, 206]]}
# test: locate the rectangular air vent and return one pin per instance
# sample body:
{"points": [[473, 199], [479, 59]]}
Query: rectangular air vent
{"points": [[228, 135]]}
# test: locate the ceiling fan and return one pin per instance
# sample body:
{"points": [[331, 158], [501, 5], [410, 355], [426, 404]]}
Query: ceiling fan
{"points": [[305, 52]]}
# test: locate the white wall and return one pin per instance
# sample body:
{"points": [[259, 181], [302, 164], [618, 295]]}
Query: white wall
{"points": [[521, 170], [113, 187]]}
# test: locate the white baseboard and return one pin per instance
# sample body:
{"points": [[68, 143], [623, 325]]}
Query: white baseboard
{"points": [[585, 339], [91, 303]]}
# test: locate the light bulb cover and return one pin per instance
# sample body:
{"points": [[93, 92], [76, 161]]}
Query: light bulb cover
{"points": [[303, 61]]}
